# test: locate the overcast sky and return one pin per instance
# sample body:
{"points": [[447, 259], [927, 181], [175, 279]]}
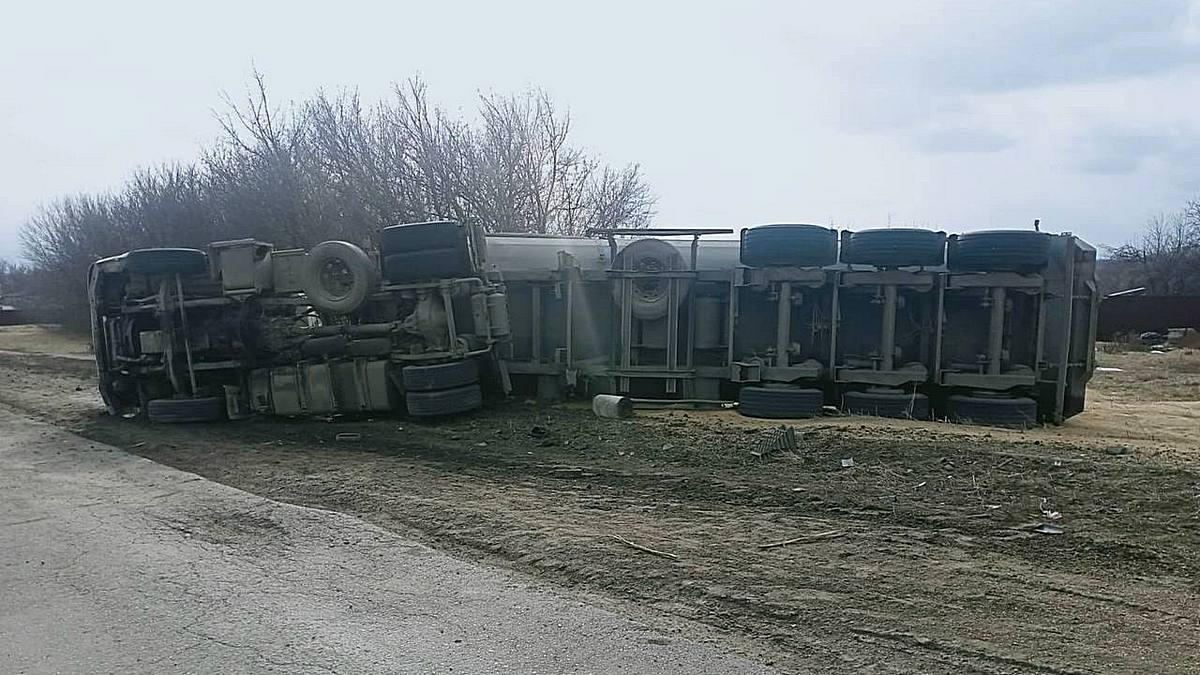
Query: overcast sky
{"points": [[954, 115]]}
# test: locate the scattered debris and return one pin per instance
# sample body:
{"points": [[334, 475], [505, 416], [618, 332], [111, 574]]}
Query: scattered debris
{"points": [[830, 534], [783, 438], [607, 405], [537, 431], [1046, 512], [348, 436], [1105, 369], [1117, 450], [848, 462], [481, 444], [1048, 528], [645, 549], [138, 445]]}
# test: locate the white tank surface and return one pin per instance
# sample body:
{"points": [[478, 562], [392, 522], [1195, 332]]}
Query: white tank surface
{"points": [[535, 253]]}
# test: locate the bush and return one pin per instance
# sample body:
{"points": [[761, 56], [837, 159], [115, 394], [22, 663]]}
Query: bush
{"points": [[330, 169]]}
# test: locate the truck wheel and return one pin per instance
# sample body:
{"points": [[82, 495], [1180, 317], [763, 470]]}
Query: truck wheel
{"points": [[992, 410], [780, 402], [179, 410], [339, 276], [413, 237], [438, 263], [785, 245], [887, 403], [999, 251], [444, 402], [440, 376], [901, 247], [183, 261], [651, 295]]}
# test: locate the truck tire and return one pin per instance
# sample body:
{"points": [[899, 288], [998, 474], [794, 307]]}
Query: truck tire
{"points": [[185, 261], [992, 410], [651, 296], [339, 277], [895, 404], [180, 410], [440, 376], [786, 245], [780, 402], [438, 263], [375, 346], [413, 237], [900, 247], [444, 402], [999, 251]]}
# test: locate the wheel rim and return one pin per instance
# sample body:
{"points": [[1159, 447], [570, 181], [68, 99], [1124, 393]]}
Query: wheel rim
{"points": [[649, 289], [336, 279]]}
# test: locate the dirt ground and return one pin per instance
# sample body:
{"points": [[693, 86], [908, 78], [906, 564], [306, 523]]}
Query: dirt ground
{"points": [[922, 557]]}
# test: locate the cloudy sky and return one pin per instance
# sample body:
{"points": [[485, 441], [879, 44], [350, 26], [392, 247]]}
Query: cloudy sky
{"points": [[954, 115]]}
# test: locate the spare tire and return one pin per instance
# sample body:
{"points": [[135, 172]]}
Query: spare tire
{"points": [[901, 247], [440, 376], [887, 403], [412, 237], [780, 401], [440, 263], [999, 251], [184, 261], [651, 295], [444, 402], [992, 410], [785, 245], [180, 410], [338, 277]]}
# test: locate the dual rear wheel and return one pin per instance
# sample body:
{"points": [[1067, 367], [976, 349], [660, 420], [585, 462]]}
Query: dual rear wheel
{"points": [[442, 389]]}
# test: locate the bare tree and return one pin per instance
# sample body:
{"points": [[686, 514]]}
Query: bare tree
{"points": [[330, 168], [1166, 256]]}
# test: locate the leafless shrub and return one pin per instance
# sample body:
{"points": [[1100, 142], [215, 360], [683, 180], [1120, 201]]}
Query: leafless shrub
{"points": [[1165, 258], [329, 168]]}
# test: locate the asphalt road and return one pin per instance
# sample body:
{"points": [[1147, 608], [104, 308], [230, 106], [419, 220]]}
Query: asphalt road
{"points": [[110, 563]]}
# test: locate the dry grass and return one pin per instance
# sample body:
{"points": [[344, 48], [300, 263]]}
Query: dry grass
{"points": [[44, 339]]}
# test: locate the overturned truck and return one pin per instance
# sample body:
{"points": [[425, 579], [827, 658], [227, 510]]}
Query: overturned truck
{"points": [[993, 327]]}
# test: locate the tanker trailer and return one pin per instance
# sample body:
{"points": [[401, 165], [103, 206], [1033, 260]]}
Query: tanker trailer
{"points": [[633, 311]]}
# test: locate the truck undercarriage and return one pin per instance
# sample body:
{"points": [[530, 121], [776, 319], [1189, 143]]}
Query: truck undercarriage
{"points": [[991, 327]]}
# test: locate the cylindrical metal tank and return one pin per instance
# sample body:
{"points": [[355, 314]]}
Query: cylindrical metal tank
{"points": [[497, 304]]}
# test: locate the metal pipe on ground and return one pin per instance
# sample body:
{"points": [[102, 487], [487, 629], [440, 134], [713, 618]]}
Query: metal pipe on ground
{"points": [[616, 407]]}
